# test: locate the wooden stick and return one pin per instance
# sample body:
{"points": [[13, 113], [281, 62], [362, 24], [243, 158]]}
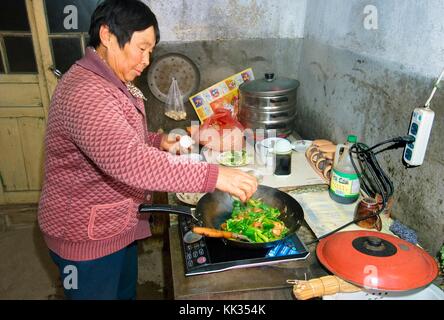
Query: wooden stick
{"points": [[322, 286]]}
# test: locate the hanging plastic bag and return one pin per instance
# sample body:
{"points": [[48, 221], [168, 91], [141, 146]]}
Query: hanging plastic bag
{"points": [[222, 119], [174, 107]]}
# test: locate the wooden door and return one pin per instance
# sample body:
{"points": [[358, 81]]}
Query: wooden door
{"points": [[37, 39], [24, 99]]}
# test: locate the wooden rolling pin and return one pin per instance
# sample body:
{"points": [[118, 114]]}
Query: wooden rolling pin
{"points": [[319, 287]]}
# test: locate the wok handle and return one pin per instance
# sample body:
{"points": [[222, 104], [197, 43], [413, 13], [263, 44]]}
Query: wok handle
{"points": [[143, 208], [213, 233]]}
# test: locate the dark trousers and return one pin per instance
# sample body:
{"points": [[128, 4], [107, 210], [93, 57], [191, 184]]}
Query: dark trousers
{"points": [[108, 278]]}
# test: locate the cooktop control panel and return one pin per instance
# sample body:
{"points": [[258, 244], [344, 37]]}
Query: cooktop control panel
{"points": [[195, 254]]}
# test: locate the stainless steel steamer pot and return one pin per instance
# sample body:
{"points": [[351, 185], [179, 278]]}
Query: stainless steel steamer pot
{"points": [[269, 104]]}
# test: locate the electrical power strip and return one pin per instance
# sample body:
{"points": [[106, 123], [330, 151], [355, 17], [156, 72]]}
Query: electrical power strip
{"points": [[420, 127]]}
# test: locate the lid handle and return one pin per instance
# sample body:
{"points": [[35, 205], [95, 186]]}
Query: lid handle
{"points": [[269, 77], [374, 241], [374, 244]]}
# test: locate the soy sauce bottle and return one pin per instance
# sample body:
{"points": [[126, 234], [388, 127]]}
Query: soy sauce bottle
{"points": [[344, 184]]}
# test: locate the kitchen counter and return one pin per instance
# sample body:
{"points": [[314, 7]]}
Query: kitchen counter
{"points": [[268, 282], [262, 283]]}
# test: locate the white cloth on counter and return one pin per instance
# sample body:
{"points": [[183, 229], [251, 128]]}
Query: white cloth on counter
{"points": [[324, 215]]}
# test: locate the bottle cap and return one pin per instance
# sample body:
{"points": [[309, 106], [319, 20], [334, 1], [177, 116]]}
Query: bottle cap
{"points": [[282, 146], [352, 138]]}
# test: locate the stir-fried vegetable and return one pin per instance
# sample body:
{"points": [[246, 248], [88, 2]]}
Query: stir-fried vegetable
{"points": [[256, 220]]}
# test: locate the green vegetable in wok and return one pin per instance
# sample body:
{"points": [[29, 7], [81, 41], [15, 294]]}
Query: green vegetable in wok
{"points": [[256, 220]]}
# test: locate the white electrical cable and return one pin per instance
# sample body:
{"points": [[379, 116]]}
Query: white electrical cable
{"points": [[435, 87]]}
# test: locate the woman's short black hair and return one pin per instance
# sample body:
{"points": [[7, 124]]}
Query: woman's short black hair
{"points": [[123, 17]]}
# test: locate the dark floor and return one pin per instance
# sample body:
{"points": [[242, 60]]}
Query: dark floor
{"points": [[27, 272]]}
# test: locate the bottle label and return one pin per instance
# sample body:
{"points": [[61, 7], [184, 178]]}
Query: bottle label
{"points": [[344, 184]]}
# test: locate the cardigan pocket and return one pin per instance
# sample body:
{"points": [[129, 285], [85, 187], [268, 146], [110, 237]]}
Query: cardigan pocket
{"points": [[108, 220]]}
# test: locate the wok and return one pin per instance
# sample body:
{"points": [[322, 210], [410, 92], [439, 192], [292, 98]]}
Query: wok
{"points": [[216, 207]]}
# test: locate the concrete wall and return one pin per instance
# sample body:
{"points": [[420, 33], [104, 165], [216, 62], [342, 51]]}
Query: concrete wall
{"points": [[368, 82], [197, 20], [224, 37], [409, 32], [217, 60], [352, 79]]}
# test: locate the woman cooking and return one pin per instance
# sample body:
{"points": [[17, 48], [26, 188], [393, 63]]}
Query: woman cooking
{"points": [[102, 162]]}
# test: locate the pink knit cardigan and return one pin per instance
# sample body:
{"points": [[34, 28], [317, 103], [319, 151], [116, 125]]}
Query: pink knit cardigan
{"points": [[101, 163]]}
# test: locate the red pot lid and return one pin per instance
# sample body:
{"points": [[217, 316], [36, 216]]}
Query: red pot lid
{"points": [[376, 260]]}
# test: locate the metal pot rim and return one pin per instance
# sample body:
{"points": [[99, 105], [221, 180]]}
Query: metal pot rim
{"points": [[262, 87]]}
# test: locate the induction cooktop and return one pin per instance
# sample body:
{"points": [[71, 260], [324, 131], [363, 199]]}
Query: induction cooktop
{"points": [[210, 255]]}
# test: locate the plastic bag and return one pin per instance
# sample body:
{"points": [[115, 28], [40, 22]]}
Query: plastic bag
{"points": [[221, 131], [174, 107], [222, 119]]}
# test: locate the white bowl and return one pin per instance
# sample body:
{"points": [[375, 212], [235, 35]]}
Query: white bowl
{"points": [[301, 145]]}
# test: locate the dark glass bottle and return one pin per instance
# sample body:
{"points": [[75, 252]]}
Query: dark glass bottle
{"points": [[283, 164], [367, 207]]}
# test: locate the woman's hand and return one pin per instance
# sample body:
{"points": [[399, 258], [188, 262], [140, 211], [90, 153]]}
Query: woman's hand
{"points": [[173, 144], [170, 143], [236, 182]]}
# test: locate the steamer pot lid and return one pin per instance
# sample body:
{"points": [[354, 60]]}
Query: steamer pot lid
{"points": [[377, 260], [269, 85]]}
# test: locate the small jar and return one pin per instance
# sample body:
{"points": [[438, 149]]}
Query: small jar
{"points": [[283, 152], [367, 207]]}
